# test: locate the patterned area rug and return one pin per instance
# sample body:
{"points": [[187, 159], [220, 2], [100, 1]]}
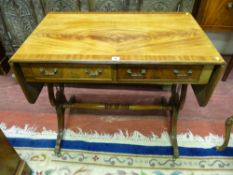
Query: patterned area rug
{"points": [[120, 153], [74, 162]]}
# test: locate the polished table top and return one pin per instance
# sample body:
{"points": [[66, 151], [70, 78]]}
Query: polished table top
{"points": [[169, 38], [166, 48]]}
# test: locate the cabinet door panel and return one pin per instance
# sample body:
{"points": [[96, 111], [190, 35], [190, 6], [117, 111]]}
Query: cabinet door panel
{"points": [[216, 15]]}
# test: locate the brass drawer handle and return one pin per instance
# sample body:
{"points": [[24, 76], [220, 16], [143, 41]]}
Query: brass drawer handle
{"points": [[177, 73], [230, 5], [93, 73], [136, 74], [49, 72]]}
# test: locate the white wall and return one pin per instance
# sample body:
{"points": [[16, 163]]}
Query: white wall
{"points": [[222, 41]]}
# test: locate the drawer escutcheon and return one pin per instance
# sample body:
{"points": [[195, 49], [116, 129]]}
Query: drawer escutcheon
{"points": [[93, 73], [45, 72], [139, 74], [179, 74]]}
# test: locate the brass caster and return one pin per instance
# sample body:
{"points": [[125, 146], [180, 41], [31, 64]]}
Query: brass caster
{"points": [[220, 148], [57, 151], [175, 153]]}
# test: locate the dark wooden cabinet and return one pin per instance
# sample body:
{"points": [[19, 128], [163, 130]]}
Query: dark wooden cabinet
{"points": [[216, 15], [10, 162]]}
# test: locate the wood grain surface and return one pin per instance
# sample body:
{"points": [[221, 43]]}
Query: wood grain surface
{"points": [[133, 37], [10, 162]]}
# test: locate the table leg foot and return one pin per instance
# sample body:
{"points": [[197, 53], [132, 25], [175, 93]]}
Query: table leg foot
{"points": [[60, 117], [176, 101], [175, 152], [57, 103], [57, 149], [174, 132], [228, 125], [175, 146]]}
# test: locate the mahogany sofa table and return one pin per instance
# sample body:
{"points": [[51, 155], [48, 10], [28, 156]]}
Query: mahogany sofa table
{"points": [[136, 49]]}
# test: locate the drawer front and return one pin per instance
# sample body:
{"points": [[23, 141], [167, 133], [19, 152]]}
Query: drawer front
{"points": [[161, 73], [89, 72], [66, 72], [155, 74]]}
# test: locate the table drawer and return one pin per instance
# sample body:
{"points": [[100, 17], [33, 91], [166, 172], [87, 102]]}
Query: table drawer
{"points": [[160, 72], [67, 72]]}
